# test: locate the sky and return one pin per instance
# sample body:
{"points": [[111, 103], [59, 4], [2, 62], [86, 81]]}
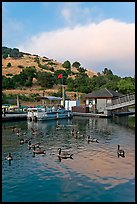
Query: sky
{"points": [[98, 35]]}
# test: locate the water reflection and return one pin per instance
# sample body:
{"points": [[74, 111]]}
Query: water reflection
{"points": [[98, 162]]}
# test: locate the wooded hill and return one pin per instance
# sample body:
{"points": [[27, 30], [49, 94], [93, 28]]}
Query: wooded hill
{"points": [[24, 73]]}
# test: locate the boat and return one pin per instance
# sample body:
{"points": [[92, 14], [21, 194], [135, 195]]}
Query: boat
{"points": [[35, 114], [48, 113]]}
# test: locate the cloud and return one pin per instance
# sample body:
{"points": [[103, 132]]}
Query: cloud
{"points": [[75, 13], [109, 43]]}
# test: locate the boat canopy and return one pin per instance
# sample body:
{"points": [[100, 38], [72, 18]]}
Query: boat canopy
{"points": [[51, 98]]}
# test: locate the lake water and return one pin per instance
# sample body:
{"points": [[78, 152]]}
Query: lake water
{"points": [[95, 174]]}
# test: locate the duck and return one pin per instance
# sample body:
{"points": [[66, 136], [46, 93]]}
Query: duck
{"points": [[90, 139], [64, 155], [9, 157], [38, 151], [120, 152]]}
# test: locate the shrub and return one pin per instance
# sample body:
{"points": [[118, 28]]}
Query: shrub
{"points": [[20, 66], [9, 64]]}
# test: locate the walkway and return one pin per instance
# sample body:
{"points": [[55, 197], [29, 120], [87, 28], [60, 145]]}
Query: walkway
{"points": [[121, 102]]}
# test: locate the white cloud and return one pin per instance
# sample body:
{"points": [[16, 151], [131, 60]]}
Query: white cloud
{"points": [[96, 45]]}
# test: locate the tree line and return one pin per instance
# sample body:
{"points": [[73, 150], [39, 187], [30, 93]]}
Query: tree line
{"points": [[81, 82]]}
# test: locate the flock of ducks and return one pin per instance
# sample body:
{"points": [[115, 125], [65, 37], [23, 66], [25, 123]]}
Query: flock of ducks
{"points": [[36, 148]]}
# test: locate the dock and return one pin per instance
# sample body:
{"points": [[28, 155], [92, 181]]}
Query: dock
{"points": [[99, 115], [14, 117], [23, 116]]}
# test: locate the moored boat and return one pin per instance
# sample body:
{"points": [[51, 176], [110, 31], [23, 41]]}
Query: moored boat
{"points": [[35, 114], [48, 113]]}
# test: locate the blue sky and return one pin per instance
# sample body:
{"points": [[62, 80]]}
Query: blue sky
{"points": [[97, 34]]}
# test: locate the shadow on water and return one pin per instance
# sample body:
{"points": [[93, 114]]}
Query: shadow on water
{"points": [[127, 121]]}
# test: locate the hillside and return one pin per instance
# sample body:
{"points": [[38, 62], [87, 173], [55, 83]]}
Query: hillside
{"points": [[29, 60], [26, 60]]}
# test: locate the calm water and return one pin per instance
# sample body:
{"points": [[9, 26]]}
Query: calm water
{"points": [[94, 174]]}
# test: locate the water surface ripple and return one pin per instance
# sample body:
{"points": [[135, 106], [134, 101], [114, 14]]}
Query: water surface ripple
{"points": [[95, 174]]}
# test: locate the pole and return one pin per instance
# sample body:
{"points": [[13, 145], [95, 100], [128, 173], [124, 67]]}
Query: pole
{"points": [[63, 95], [18, 104]]}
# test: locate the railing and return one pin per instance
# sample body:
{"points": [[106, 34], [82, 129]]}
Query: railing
{"points": [[122, 99]]}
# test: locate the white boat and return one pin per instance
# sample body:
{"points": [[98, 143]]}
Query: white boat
{"points": [[35, 114], [48, 113]]}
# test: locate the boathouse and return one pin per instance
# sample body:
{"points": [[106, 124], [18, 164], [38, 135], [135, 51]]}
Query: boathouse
{"points": [[98, 100]]}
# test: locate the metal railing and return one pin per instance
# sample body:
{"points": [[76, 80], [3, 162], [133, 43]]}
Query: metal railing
{"points": [[122, 99]]}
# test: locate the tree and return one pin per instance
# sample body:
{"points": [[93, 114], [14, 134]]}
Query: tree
{"points": [[15, 53], [5, 55], [81, 69], [7, 83], [66, 64], [4, 98], [76, 64], [70, 84], [107, 71], [126, 85], [45, 79], [63, 79]]}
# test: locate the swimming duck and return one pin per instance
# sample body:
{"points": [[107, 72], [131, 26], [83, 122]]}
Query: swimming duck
{"points": [[90, 139], [120, 152], [64, 155], [9, 157], [38, 151]]}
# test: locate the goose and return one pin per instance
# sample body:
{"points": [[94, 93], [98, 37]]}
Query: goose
{"points": [[73, 131], [9, 157], [57, 127], [90, 139], [33, 145], [22, 141], [38, 151], [64, 155], [13, 129], [120, 152], [34, 132], [26, 140], [18, 133]]}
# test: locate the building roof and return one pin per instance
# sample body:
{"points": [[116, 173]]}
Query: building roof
{"points": [[103, 93]]}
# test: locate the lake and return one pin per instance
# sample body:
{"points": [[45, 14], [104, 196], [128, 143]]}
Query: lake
{"points": [[95, 174]]}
